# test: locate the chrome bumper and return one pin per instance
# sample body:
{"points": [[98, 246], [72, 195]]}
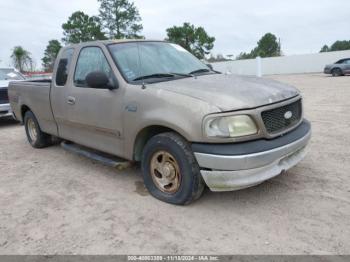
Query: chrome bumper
{"points": [[228, 173], [5, 110]]}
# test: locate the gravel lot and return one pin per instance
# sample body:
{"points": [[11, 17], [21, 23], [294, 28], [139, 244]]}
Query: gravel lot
{"points": [[54, 202]]}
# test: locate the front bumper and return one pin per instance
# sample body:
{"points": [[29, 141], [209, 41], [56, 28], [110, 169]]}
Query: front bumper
{"points": [[5, 110], [251, 163]]}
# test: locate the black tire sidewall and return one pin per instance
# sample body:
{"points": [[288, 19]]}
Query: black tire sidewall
{"points": [[188, 168]]}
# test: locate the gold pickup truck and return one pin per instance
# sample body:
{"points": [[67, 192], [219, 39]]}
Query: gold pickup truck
{"points": [[153, 102]]}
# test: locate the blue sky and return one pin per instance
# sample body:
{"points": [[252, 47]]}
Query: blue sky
{"points": [[303, 26]]}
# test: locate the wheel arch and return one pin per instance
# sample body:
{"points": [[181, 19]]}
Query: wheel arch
{"points": [[337, 68], [24, 110], [145, 134]]}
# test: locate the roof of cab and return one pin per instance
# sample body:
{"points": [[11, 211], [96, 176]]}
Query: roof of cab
{"points": [[116, 41]]}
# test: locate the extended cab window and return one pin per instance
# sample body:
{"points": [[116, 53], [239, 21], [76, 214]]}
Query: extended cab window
{"points": [[91, 59], [63, 67]]}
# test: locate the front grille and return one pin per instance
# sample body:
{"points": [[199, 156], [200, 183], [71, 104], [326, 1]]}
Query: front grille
{"points": [[278, 119], [4, 99]]}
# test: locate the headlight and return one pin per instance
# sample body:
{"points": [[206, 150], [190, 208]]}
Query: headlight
{"points": [[230, 126]]}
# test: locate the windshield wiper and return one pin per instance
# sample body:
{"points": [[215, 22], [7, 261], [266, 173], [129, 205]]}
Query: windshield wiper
{"points": [[182, 74], [202, 70], [158, 75], [162, 75]]}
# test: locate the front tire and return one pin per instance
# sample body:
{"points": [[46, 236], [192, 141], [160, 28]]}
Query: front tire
{"points": [[337, 72], [170, 170], [35, 136]]}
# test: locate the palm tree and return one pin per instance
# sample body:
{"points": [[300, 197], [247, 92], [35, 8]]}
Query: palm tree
{"points": [[21, 59]]}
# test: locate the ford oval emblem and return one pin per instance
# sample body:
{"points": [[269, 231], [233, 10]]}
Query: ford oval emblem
{"points": [[288, 115]]}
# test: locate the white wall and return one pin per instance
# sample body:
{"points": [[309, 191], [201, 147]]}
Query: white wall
{"points": [[295, 64]]}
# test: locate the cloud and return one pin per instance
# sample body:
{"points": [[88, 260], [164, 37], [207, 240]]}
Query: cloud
{"points": [[303, 26]]}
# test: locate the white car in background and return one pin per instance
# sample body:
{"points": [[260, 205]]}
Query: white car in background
{"points": [[6, 76]]}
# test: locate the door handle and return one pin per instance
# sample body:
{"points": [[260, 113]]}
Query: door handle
{"points": [[71, 100]]}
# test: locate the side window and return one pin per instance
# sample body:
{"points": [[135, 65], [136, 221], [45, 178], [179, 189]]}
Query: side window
{"points": [[347, 62], [91, 59], [63, 67]]}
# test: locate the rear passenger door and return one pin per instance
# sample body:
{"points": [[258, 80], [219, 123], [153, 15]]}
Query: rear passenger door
{"points": [[95, 115], [59, 86]]}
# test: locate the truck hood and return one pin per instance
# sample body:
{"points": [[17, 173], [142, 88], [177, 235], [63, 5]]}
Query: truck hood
{"points": [[4, 83], [231, 92]]}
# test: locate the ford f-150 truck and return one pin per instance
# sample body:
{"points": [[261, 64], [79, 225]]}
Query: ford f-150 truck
{"points": [[153, 102]]}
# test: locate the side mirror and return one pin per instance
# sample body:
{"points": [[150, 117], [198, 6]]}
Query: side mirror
{"points": [[99, 80]]}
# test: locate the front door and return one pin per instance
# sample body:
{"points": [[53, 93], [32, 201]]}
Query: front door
{"points": [[94, 116]]}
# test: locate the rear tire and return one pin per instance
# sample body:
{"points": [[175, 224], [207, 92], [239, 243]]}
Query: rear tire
{"points": [[35, 136], [337, 72], [170, 170]]}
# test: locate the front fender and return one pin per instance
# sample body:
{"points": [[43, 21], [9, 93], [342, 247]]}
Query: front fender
{"points": [[157, 107]]}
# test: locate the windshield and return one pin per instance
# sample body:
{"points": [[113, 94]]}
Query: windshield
{"points": [[10, 74], [155, 60]]}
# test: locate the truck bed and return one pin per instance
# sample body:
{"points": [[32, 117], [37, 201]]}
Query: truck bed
{"points": [[35, 96]]}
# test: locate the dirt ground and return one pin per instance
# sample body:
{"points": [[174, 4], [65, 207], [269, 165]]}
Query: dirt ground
{"points": [[54, 202]]}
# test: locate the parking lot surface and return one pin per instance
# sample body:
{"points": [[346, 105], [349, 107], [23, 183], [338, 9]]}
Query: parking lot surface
{"points": [[55, 202]]}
